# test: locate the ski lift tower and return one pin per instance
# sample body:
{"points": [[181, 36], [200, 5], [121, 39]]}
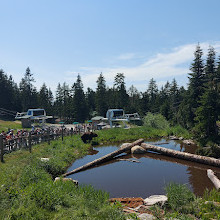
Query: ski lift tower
{"points": [[115, 115]]}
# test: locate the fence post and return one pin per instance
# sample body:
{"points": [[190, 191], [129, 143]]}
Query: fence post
{"points": [[1, 148], [29, 141], [62, 133], [71, 131], [48, 136]]}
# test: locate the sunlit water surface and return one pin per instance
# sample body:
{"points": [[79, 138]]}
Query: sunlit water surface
{"points": [[149, 177]]}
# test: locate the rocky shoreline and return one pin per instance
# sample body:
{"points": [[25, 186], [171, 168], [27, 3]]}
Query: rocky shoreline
{"points": [[139, 206]]}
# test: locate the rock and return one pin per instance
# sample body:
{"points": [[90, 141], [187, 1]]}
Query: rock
{"points": [[156, 199], [143, 209], [44, 159], [188, 142], [173, 138], [66, 179], [138, 150], [129, 202], [145, 216], [181, 138]]}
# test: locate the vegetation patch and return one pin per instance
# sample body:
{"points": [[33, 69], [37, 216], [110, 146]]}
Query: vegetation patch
{"points": [[28, 191]]}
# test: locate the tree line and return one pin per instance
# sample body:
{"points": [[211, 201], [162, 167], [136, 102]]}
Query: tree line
{"points": [[195, 107]]}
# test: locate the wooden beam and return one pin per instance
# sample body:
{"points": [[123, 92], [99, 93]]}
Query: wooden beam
{"points": [[213, 178], [182, 155], [104, 158]]}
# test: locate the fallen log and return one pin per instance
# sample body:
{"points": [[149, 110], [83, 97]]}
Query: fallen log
{"points": [[105, 158], [129, 160], [213, 178], [160, 143], [182, 155]]}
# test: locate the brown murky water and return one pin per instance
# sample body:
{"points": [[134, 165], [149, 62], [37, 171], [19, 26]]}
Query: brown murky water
{"points": [[150, 176]]}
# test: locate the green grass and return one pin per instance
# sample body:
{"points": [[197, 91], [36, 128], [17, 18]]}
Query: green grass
{"points": [[120, 134], [27, 190], [5, 125], [183, 204]]}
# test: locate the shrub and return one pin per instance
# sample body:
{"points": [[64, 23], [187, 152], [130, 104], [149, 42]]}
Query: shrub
{"points": [[179, 197], [156, 121], [32, 174]]}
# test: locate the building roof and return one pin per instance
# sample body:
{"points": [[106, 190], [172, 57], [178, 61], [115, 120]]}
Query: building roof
{"points": [[97, 118]]}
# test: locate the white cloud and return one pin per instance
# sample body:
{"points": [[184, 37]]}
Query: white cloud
{"points": [[161, 67]]}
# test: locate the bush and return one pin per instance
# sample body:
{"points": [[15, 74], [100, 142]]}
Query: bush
{"points": [[155, 121], [179, 197], [32, 174]]}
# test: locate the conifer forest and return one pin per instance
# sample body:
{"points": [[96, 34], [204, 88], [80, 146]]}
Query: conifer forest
{"points": [[195, 107]]}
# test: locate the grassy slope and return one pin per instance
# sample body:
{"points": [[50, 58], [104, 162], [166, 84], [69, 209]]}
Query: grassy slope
{"points": [[119, 134], [27, 190], [5, 125]]}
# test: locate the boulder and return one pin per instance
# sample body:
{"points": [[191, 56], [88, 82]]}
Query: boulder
{"points": [[188, 142], [66, 179], [156, 199], [146, 216], [44, 159], [173, 138], [138, 150]]}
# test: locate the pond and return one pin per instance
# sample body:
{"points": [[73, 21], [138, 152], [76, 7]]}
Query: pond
{"points": [[123, 178]]}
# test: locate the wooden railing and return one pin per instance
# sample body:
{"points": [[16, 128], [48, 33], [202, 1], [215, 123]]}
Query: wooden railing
{"points": [[27, 140]]}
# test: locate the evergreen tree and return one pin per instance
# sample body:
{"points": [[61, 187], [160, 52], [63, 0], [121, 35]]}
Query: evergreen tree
{"points": [[45, 99], [153, 95], [80, 111], [101, 96], [28, 91], [134, 100], [196, 84], [217, 75], [58, 101], [210, 68], [208, 111], [90, 100], [144, 104], [121, 97], [164, 100]]}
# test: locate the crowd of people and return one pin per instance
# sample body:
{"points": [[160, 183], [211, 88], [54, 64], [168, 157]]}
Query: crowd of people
{"points": [[38, 134]]}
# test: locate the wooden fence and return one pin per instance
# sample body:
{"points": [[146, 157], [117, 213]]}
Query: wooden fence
{"points": [[27, 140]]}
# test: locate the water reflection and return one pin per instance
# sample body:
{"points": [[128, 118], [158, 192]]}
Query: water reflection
{"points": [[129, 179]]}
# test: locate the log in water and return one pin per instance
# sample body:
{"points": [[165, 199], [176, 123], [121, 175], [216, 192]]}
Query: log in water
{"points": [[105, 158], [213, 178], [185, 156]]}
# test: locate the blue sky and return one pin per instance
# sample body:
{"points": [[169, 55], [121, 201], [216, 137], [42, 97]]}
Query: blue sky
{"points": [[144, 39]]}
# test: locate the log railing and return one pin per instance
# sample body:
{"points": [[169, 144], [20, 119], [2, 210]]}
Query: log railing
{"points": [[28, 139]]}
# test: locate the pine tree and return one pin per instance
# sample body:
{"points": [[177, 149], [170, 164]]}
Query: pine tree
{"points": [[121, 95], [134, 100], [153, 94], [164, 100], [101, 96], [28, 91], [45, 99], [90, 100], [196, 84], [208, 111], [80, 112], [58, 101]]}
